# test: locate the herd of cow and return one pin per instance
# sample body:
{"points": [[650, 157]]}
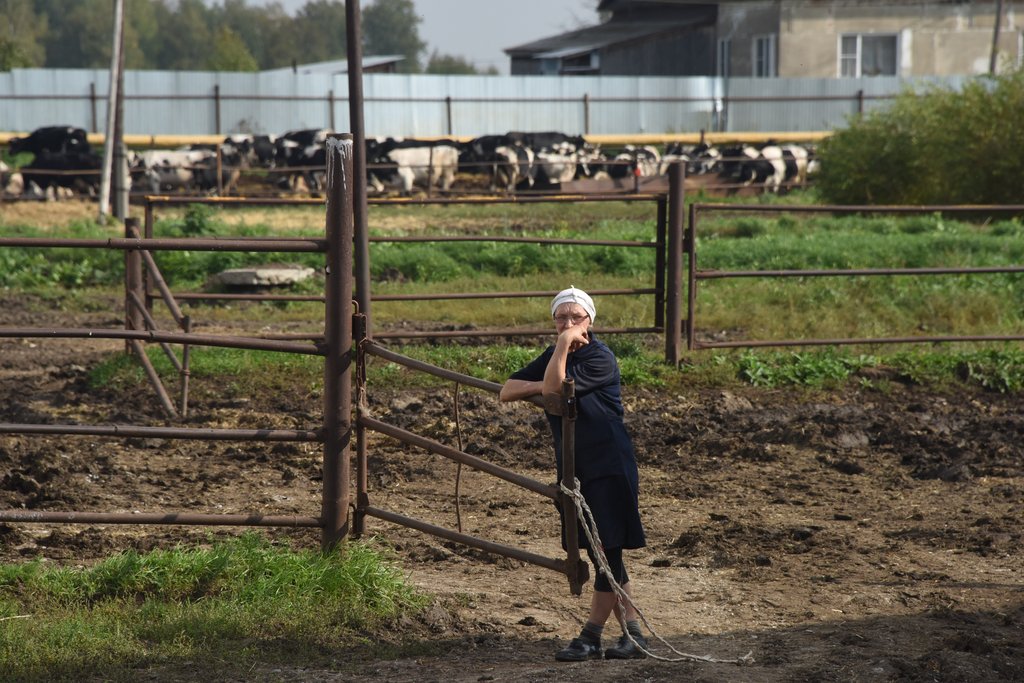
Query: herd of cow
{"points": [[62, 163]]}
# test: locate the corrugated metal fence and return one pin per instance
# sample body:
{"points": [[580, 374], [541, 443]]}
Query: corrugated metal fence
{"points": [[211, 103]]}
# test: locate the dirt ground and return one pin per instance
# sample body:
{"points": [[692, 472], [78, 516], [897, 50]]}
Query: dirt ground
{"points": [[845, 536]]}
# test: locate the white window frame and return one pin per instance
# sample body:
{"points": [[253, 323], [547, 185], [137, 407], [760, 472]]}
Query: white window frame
{"points": [[764, 61], [857, 56], [724, 58]]}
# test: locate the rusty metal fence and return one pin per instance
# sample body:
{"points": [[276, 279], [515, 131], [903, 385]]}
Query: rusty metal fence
{"points": [[696, 275], [140, 328], [340, 514], [667, 273]]}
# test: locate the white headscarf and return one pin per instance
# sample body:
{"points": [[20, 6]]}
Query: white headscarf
{"points": [[574, 296]]}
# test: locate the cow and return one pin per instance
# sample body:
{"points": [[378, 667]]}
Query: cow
{"points": [[700, 159], [175, 170], [636, 161], [498, 157], [63, 162], [300, 159], [560, 143], [255, 151], [52, 139], [12, 183], [512, 165], [403, 163], [747, 166], [796, 159], [64, 173], [235, 156]]}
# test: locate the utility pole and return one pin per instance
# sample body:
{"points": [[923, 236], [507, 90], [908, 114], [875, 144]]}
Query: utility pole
{"points": [[108, 138], [995, 39]]}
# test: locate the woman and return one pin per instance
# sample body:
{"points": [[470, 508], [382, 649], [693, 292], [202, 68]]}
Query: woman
{"points": [[605, 464]]}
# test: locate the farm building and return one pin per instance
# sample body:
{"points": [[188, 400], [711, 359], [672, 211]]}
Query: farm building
{"points": [[783, 38]]}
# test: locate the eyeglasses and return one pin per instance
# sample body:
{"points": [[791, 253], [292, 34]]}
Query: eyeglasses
{"points": [[574, 319]]}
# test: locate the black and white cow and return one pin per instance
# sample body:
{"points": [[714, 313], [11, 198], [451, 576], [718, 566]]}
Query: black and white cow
{"points": [[63, 162], [300, 159], [700, 159], [746, 166], [52, 139], [178, 170], [636, 161], [402, 164], [500, 158], [797, 159], [255, 151]]}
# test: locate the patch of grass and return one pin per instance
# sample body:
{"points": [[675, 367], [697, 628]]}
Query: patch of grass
{"points": [[216, 604], [236, 372], [995, 369]]}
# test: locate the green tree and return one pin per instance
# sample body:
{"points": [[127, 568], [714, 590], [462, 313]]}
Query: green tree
{"points": [[262, 30], [141, 33], [391, 27], [21, 32], [80, 34], [230, 53], [932, 146], [320, 31], [451, 64], [187, 35]]}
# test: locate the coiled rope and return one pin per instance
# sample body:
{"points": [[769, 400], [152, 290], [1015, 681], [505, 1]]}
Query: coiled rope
{"points": [[590, 529]]}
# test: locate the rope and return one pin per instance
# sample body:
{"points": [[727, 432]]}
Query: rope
{"points": [[590, 529]]}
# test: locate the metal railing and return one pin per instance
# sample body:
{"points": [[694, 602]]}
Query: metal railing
{"points": [[697, 275], [667, 272]]}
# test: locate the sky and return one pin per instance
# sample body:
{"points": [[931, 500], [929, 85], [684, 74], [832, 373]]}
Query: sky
{"points": [[479, 30]]}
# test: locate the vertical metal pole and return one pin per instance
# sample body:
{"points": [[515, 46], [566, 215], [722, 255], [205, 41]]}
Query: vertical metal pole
{"points": [[220, 171], [994, 57], [147, 281], [659, 263], [362, 487], [448, 112], [108, 138], [216, 109], [94, 127], [337, 342], [691, 289], [132, 282], [430, 171], [577, 575], [354, 37], [673, 313], [186, 362], [119, 171], [586, 113], [330, 110]]}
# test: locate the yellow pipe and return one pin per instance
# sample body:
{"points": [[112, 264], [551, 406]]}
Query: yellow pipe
{"points": [[173, 141]]}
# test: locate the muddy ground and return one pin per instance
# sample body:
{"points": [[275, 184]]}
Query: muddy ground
{"points": [[854, 535]]}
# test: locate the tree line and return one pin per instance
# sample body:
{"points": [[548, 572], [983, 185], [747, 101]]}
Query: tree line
{"points": [[193, 35]]}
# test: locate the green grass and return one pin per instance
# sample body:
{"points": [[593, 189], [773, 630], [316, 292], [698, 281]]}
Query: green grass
{"points": [[236, 601], [237, 373]]}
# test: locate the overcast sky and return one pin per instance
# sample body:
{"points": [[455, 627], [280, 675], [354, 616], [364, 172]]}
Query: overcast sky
{"points": [[479, 30]]}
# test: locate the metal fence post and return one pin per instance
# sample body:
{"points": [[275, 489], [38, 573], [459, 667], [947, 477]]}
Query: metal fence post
{"points": [[691, 288], [576, 569], [132, 282], [362, 468], [338, 342], [673, 314]]}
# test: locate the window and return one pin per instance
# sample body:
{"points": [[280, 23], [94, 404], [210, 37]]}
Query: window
{"points": [[724, 55], [867, 54], [586, 63], [763, 59]]}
